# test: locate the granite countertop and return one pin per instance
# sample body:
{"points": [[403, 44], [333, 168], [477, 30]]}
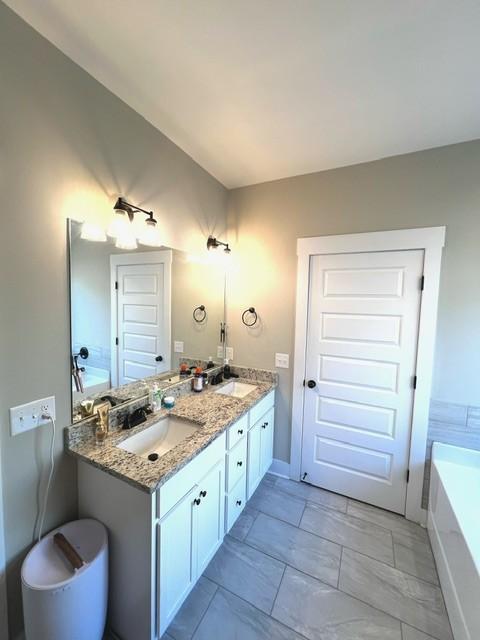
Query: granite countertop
{"points": [[214, 413]]}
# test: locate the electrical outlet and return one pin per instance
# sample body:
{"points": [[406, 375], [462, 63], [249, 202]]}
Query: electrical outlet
{"points": [[220, 351], [29, 416], [229, 353], [282, 360], [178, 346]]}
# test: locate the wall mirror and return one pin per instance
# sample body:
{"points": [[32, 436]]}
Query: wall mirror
{"points": [[138, 313]]}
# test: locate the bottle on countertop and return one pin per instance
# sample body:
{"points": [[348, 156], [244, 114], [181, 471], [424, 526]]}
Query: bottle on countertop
{"points": [[226, 370], [210, 363], [197, 380]]}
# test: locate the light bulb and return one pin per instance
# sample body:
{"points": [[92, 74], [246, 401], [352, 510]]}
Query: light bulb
{"points": [[120, 224], [126, 240], [93, 232], [150, 235]]}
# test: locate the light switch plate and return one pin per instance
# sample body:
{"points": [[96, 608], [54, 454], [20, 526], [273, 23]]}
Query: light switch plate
{"points": [[220, 351], [178, 346], [229, 353], [29, 416], [282, 360]]}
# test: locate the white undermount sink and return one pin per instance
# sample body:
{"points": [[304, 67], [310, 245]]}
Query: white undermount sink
{"points": [[236, 389], [159, 438]]}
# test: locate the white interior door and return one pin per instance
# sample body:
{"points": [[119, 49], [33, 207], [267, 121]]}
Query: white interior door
{"points": [[141, 312], [363, 317]]}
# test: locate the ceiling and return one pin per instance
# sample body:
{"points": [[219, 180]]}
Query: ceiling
{"points": [[256, 90]]}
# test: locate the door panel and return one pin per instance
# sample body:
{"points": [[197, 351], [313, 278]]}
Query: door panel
{"points": [[254, 458], [142, 315], [209, 516], [361, 351], [266, 441]]}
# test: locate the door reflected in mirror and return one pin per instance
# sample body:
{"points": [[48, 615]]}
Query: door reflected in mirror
{"points": [[136, 314]]}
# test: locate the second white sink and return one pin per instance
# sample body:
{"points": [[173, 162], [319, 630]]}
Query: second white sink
{"points": [[236, 389], [159, 438]]}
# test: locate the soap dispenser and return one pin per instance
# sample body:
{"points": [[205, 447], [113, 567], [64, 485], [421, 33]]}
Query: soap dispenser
{"points": [[226, 370]]}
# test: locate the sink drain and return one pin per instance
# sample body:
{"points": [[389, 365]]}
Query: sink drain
{"points": [[153, 456]]}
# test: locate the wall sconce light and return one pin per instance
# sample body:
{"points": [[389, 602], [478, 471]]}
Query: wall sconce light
{"points": [[123, 231], [213, 243]]}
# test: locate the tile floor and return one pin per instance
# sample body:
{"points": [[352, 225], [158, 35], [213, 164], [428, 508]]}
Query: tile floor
{"points": [[303, 563]]}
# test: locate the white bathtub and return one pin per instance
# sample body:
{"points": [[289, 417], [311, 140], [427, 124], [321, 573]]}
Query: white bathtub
{"points": [[454, 528], [95, 380]]}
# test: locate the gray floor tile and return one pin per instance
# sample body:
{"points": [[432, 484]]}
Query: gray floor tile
{"points": [[193, 609], [300, 549], [231, 618], [413, 601], [409, 633], [278, 504], [243, 524], [313, 494], [269, 480], [319, 611], [248, 573], [415, 557], [393, 521], [355, 533]]}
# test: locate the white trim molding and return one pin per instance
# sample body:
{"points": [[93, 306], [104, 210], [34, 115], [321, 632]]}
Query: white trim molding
{"points": [[431, 240], [280, 468]]}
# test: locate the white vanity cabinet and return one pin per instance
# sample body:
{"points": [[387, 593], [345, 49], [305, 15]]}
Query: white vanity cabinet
{"points": [[161, 543]]}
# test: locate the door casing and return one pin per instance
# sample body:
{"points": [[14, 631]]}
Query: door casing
{"points": [[432, 241]]}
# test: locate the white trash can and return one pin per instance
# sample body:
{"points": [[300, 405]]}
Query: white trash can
{"points": [[60, 603]]}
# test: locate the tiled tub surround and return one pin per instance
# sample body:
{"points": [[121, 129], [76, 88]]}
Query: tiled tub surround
{"points": [[450, 423], [303, 563], [213, 412]]}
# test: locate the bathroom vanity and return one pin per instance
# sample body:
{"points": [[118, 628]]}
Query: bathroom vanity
{"points": [[167, 517]]}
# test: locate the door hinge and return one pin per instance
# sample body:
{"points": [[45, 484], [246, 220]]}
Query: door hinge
{"points": [[116, 341], [116, 285], [414, 383], [408, 475], [422, 283]]}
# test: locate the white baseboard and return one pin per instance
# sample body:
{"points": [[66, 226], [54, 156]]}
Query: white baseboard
{"points": [[280, 468]]}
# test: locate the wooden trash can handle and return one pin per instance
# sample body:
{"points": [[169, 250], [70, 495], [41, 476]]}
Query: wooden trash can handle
{"points": [[68, 551]]}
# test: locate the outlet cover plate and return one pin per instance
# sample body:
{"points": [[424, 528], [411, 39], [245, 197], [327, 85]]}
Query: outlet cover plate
{"points": [[229, 353], [28, 416], [220, 351], [178, 346], [282, 360]]}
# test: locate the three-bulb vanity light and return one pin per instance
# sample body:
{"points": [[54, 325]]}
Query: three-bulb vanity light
{"points": [[124, 228]]}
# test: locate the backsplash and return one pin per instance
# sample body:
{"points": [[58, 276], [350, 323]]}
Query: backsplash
{"points": [[450, 423]]}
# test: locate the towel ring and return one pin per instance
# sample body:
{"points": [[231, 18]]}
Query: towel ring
{"points": [[199, 313], [252, 311]]}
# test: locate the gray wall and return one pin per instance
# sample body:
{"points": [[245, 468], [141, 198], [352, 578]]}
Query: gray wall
{"points": [[65, 143], [429, 188]]}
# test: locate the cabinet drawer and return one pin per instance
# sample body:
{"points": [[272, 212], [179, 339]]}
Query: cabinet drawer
{"points": [[237, 431], [184, 480], [235, 502], [260, 409], [236, 463]]}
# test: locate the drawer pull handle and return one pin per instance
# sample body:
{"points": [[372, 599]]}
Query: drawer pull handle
{"points": [[239, 463], [239, 503], [197, 501], [240, 432], [203, 494]]}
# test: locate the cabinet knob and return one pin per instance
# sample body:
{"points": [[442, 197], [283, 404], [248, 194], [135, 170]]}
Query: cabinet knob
{"points": [[197, 501], [240, 432], [239, 463], [203, 494], [239, 503]]}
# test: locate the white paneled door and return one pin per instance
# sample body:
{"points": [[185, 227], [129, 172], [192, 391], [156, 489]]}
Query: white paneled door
{"points": [[141, 315], [363, 318]]}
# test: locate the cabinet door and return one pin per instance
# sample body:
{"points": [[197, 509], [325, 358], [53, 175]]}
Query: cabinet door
{"points": [[266, 441], [209, 516], [176, 557], [253, 459]]}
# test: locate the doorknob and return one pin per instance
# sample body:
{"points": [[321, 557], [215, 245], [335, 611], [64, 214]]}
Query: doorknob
{"points": [[159, 358], [311, 384]]}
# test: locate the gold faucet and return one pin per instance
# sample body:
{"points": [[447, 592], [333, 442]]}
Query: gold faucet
{"points": [[102, 411]]}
